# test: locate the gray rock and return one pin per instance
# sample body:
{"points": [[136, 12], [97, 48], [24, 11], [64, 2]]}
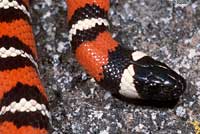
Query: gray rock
{"points": [[170, 34]]}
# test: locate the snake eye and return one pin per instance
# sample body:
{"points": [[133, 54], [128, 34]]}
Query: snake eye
{"points": [[155, 80]]}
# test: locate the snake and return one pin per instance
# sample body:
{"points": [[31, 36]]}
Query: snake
{"points": [[24, 107]]}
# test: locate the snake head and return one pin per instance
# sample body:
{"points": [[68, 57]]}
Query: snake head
{"points": [[156, 81]]}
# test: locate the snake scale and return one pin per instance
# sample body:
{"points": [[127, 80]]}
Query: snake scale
{"points": [[132, 74]]}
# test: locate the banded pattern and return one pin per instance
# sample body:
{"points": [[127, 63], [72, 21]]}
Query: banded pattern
{"points": [[10, 7], [131, 74], [86, 23], [23, 101]]}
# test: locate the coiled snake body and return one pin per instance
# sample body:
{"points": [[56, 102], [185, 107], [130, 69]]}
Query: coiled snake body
{"points": [[131, 74]]}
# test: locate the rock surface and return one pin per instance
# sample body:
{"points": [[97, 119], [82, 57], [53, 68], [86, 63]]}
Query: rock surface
{"points": [[166, 31]]}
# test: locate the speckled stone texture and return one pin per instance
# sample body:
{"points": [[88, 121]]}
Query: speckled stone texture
{"points": [[166, 31]]}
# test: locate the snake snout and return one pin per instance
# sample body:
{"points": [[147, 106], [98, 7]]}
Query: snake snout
{"points": [[158, 82], [177, 87], [172, 85]]}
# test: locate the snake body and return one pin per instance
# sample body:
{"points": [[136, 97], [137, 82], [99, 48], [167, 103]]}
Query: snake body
{"points": [[131, 74], [23, 101]]}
